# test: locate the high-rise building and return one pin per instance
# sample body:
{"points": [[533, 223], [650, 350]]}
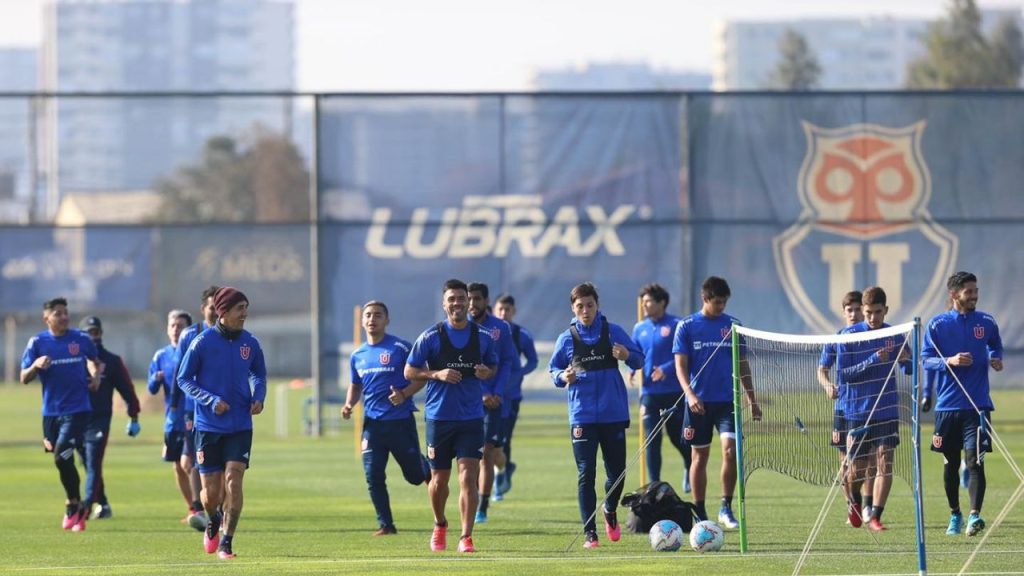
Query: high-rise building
{"points": [[143, 46], [854, 54], [18, 71]]}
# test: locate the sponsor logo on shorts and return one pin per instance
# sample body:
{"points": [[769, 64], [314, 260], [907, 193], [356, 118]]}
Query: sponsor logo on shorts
{"points": [[430, 452], [666, 331], [244, 351], [688, 433], [979, 332], [643, 410], [200, 457], [47, 445], [366, 444], [163, 453], [385, 357], [937, 442], [836, 437], [73, 348], [577, 431]]}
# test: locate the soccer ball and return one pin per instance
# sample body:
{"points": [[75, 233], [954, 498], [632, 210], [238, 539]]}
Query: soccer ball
{"points": [[666, 536], [706, 536]]}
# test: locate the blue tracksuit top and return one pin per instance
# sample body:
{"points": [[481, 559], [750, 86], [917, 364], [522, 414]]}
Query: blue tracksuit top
{"points": [[378, 367], [655, 338], [525, 348], [166, 360], [187, 405], [599, 396], [66, 382], [216, 368], [444, 401], [863, 376], [949, 334]]}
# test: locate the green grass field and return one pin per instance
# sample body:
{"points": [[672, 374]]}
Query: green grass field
{"points": [[307, 512]]}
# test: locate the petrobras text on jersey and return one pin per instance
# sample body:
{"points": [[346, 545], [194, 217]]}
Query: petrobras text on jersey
{"points": [[490, 225], [375, 370]]}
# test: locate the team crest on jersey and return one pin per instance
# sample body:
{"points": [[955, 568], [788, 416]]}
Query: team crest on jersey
{"points": [[73, 348], [385, 358], [577, 431], [864, 191], [244, 351], [979, 332], [937, 442], [495, 334], [688, 433], [890, 345], [666, 331], [725, 333]]}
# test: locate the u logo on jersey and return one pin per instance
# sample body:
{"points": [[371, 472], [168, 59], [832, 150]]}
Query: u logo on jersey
{"points": [[73, 348], [385, 358], [244, 351], [725, 333], [864, 192], [665, 331], [495, 334], [979, 332]]}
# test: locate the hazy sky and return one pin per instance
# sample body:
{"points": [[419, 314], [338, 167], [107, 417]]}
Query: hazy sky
{"points": [[458, 45]]}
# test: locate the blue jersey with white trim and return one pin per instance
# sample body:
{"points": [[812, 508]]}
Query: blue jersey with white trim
{"points": [[525, 348], [705, 340], [377, 368], [166, 361], [66, 382], [655, 339], [949, 334], [461, 401]]}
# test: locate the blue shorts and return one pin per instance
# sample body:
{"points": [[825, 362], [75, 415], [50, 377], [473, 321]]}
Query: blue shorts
{"points": [[447, 439], [66, 432], [511, 419], [215, 449], [839, 429], [494, 427], [698, 428], [957, 430], [188, 447], [878, 433], [174, 443]]}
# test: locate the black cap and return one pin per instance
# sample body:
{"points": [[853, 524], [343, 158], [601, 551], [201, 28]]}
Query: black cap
{"points": [[90, 323]]}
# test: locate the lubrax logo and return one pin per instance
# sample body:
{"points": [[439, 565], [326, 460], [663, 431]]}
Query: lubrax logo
{"points": [[488, 226]]}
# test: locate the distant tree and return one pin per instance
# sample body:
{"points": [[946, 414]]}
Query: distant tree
{"points": [[265, 182], [798, 68], [959, 56]]}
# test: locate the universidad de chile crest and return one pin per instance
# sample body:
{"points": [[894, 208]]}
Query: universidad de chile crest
{"points": [[864, 191]]}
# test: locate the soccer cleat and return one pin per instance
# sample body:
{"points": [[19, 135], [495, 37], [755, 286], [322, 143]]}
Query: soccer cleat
{"points": [[224, 552], [974, 524], [466, 545], [198, 520], [481, 517], [875, 525], [386, 530], [854, 515], [611, 526], [590, 540], [956, 524], [70, 516], [866, 515], [211, 538], [101, 511], [726, 518], [83, 515], [438, 540]]}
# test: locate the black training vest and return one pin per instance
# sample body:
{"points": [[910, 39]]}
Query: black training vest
{"points": [[597, 356], [515, 339], [461, 359]]}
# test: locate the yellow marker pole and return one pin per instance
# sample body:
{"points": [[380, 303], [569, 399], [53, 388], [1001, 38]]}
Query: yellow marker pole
{"points": [[357, 411], [640, 408]]}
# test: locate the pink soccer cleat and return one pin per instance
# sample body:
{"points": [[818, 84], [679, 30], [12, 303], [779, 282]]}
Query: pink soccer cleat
{"points": [[611, 526], [590, 540], [211, 537], [466, 545], [438, 540]]}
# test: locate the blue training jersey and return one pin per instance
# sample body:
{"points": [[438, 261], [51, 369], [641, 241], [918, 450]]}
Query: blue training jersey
{"points": [[166, 360], [707, 344], [377, 368], [867, 382], [508, 357], [188, 405], [444, 401], [827, 361], [949, 334], [655, 338], [525, 349], [217, 368], [597, 396], [66, 382]]}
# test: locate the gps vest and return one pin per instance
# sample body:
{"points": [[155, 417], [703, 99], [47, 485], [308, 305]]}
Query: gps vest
{"points": [[591, 357], [461, 359]]}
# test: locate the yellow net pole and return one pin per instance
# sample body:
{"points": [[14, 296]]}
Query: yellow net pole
{"points": [[357, 412], [640, 407]]}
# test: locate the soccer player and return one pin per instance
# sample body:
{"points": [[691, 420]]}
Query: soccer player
{"points": [[702, 348], [586, 362], [378, 371], [224, 373], [872, 403], [852, 314], [114, 376], [455, 357], [659, 387], [197, 516], [496, 410], [68, 367], [960, 345], [505, 308], [161, 378]]}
